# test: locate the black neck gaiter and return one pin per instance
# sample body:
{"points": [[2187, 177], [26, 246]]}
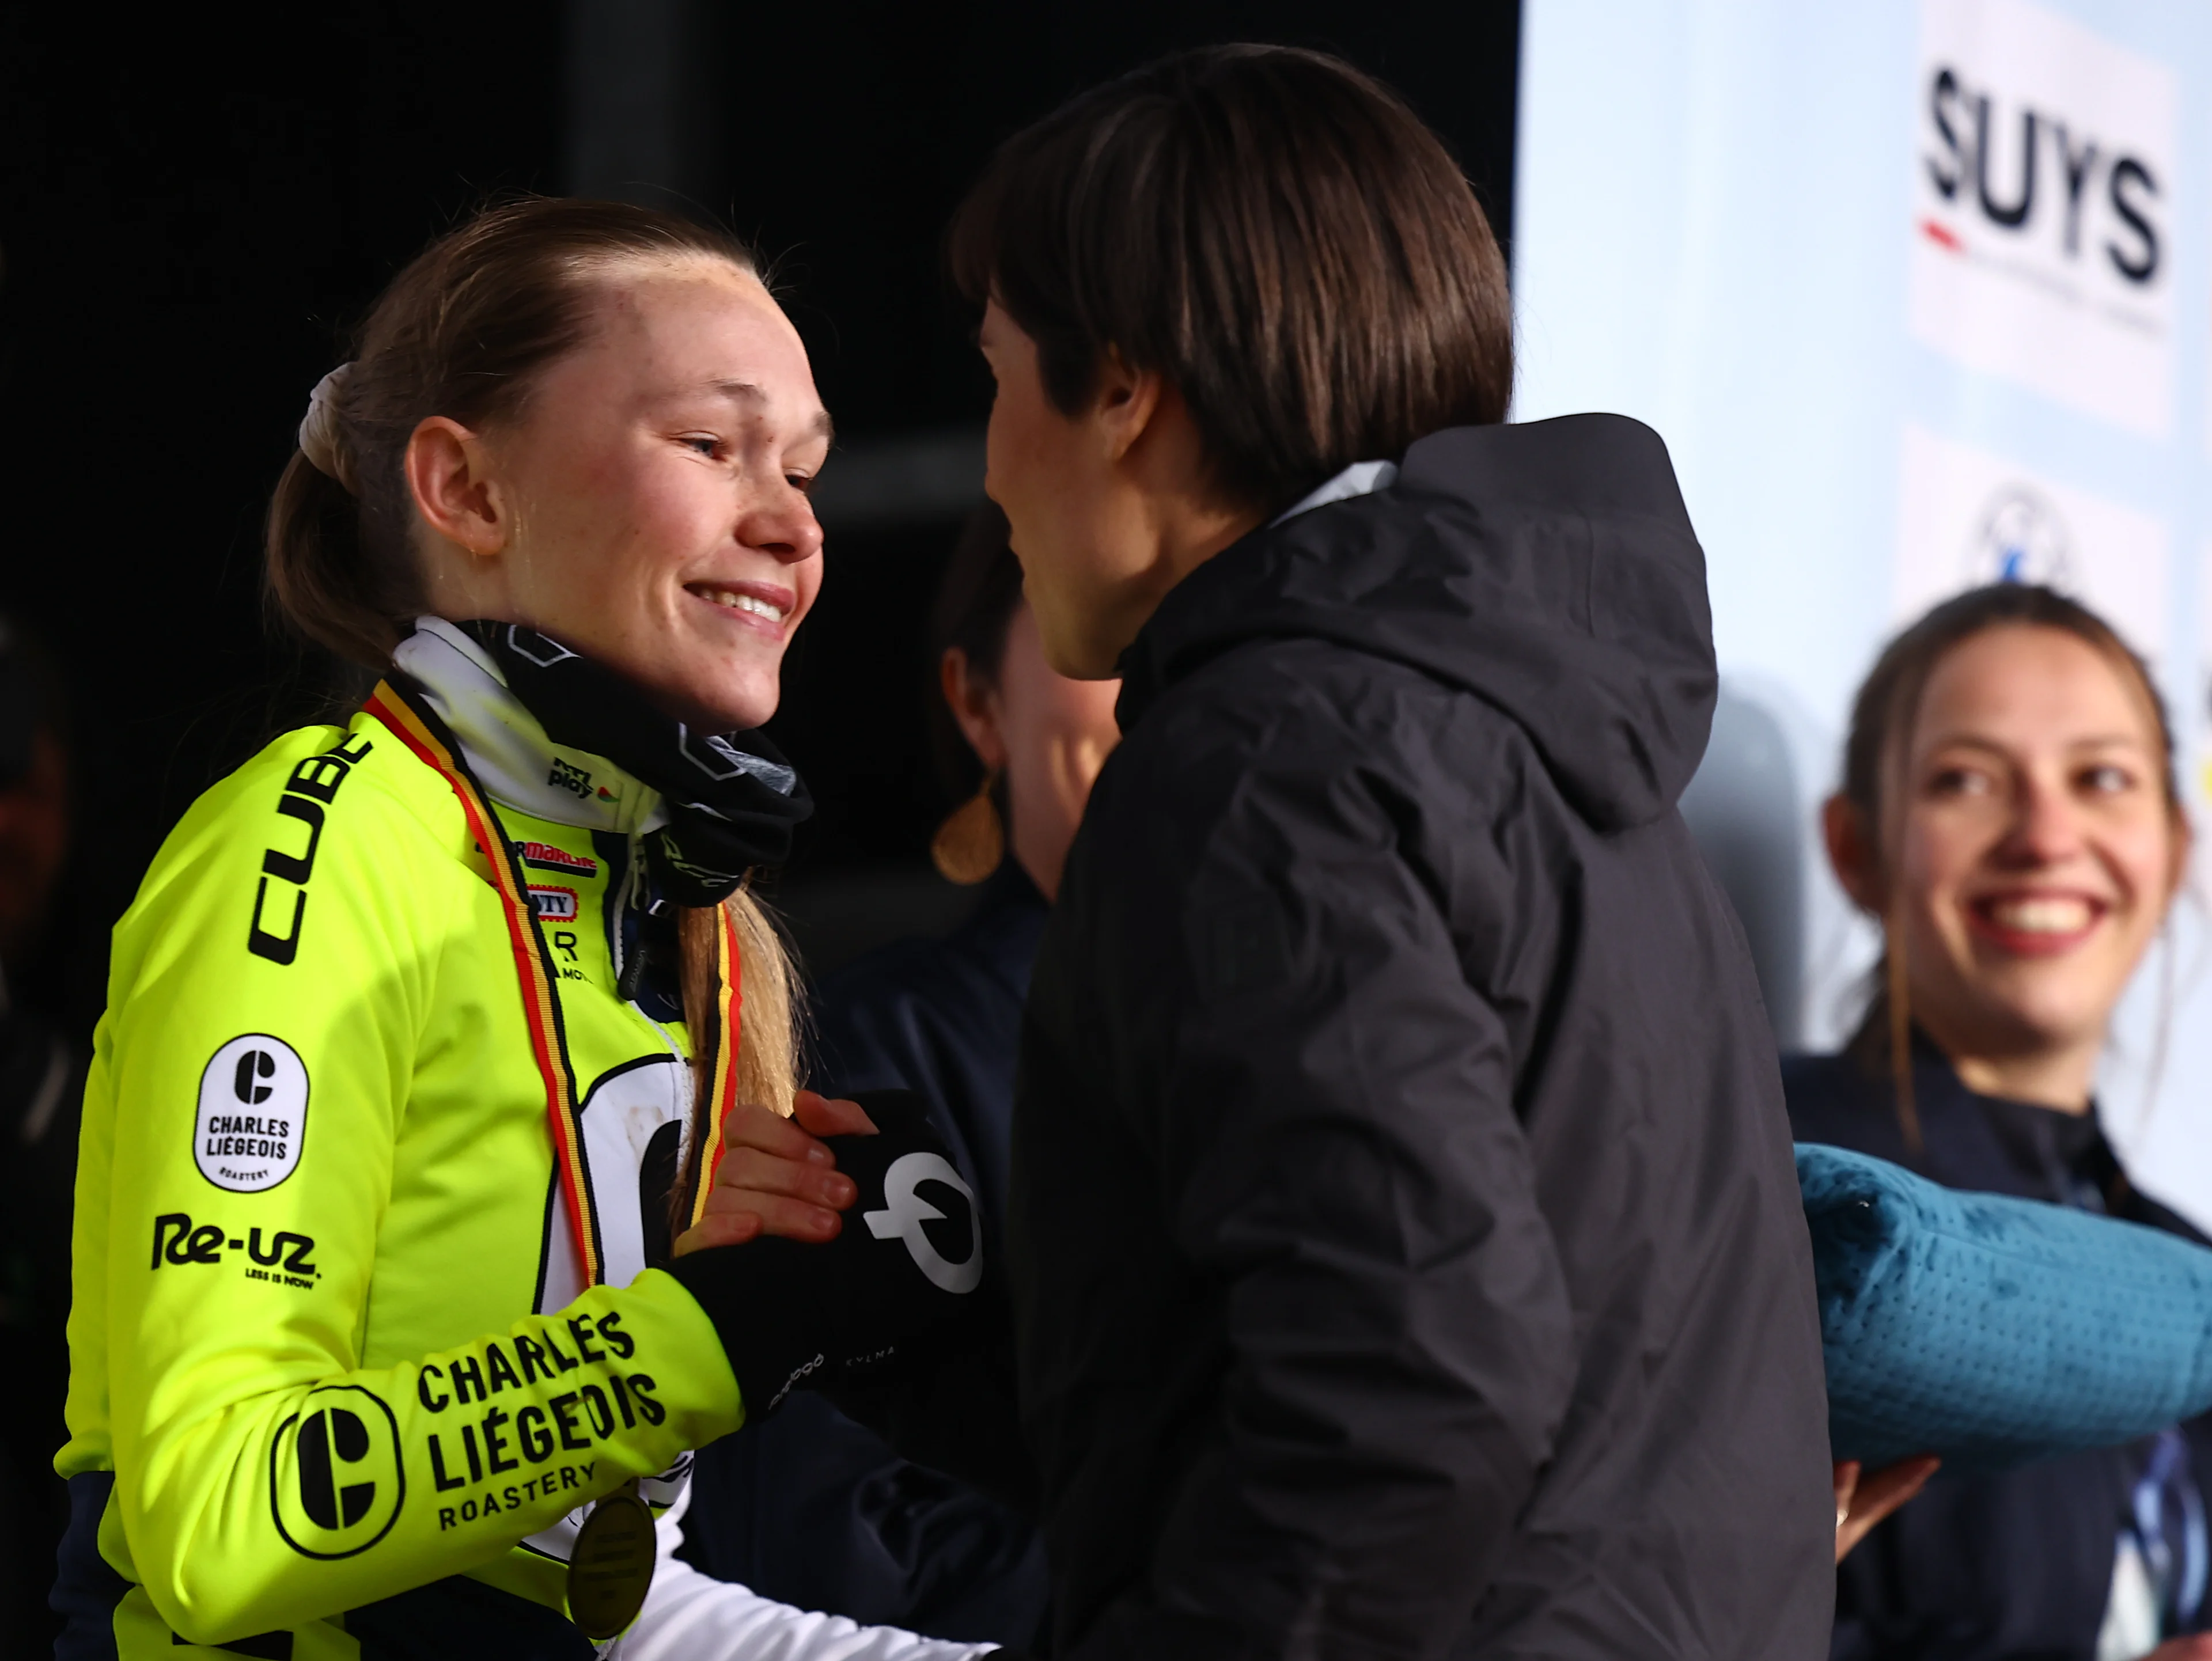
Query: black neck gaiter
{"points": [[732, 800]]}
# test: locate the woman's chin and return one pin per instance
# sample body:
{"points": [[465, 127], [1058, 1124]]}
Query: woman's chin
{"points": [[707, 692], [2050, 1012], [721, 707]]}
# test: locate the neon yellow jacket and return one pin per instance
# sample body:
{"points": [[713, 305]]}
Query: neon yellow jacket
{"points": [[327, 1336]]}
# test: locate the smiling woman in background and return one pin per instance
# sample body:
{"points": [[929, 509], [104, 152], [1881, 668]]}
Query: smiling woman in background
{"points": [[2009, 815]]}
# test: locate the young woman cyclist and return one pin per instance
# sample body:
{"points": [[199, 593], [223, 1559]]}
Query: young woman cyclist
{"points": [[2009, 815], [422, 1029]]}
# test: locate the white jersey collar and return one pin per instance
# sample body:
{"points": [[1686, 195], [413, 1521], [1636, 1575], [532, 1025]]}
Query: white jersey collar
{"points": [[1360, 479], [505, 748]]}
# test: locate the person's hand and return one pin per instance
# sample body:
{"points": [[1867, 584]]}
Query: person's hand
{"points": [[1861, 1502], [777, 1176], [857, 1303], [2196, 1647]]}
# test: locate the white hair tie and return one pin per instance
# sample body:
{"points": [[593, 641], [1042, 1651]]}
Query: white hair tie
{"points": [[321, 440]]}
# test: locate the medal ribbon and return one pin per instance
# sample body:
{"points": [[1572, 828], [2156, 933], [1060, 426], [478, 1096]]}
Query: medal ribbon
{"points": [[421, 731], [729, 999]]}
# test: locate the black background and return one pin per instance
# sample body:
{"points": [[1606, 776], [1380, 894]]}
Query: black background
{"points": [[194, 204]]}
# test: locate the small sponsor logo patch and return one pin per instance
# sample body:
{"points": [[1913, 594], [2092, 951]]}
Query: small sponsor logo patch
{"points": [[552, 903], [565, 776], [252, 1114], [545, 857]]}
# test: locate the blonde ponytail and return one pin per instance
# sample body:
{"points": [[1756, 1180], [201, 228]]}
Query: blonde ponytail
{"points": [[768, 1022], [355, 601], [768, 1013]]}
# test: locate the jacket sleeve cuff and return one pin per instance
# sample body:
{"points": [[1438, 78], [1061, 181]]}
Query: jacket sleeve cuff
{"points": [[703, 1391]]}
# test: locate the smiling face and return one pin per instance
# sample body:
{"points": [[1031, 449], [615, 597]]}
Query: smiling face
{"points": [[2035, 853], [656, 487]]}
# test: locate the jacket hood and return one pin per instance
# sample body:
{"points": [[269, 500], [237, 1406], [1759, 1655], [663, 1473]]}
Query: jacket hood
{"points": [[1548, 568]]}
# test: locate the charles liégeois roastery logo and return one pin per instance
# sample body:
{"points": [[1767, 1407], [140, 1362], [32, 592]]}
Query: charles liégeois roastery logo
{"points": [[252, 1114]]}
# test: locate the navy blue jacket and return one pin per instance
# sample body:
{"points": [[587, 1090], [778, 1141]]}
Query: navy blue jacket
{"points": [[2005, 1567], [810, 1507]]}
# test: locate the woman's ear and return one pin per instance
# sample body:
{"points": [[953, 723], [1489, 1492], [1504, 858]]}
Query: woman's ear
{"points": [[975, 703], [1851, 852], [449, 475]]}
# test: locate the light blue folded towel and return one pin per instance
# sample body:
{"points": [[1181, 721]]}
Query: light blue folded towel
{"points": [[1993, 1330]]}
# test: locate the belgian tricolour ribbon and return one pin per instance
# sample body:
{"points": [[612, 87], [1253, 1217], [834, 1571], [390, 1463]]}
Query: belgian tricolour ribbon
{"points": [[412, 722], [722, 1045]]}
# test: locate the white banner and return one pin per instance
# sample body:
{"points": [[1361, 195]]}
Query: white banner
{"points": [[2042, 220], [1919, 293]]}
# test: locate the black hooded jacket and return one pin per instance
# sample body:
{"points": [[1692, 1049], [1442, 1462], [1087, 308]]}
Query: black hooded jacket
{"points": [[1407, 1252]]}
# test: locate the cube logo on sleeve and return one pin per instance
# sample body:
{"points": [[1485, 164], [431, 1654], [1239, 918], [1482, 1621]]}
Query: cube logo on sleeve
{"points": [[252, 1114]]}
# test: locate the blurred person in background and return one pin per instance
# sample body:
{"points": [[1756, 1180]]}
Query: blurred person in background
{"points": [[34, 804], [815, 1509], [41, 1088], [2009, 817]]}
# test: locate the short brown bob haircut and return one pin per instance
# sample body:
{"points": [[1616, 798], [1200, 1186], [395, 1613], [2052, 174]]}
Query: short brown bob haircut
{"points": [[1275, 234]]}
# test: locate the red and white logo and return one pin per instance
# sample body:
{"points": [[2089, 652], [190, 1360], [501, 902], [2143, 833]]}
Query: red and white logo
{"points": [[2042, 232], [555, 905], [543, 856]]}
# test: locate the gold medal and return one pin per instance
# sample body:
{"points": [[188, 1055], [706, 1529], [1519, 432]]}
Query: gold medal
{"points": [[611, 1567]]}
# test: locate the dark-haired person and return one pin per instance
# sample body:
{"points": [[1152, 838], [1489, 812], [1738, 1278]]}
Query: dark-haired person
{"points": [[1406, 1249], [814, 1509], [423, 1028], [2009, 815], [41, 1084]]}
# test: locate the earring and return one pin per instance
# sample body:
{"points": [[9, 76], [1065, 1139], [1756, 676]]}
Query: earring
{"points": [[970, 843]]}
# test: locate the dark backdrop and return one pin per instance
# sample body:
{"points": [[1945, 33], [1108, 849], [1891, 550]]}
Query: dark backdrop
{"points": [[192, 208]]}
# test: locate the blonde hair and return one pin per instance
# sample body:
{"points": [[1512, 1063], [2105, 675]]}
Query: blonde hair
{"points": [[768, 1019], [465, 331]]}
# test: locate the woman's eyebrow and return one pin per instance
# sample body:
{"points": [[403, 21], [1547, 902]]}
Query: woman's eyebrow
{"points": [[1938, 746], [1997, 747], [746, 392]]}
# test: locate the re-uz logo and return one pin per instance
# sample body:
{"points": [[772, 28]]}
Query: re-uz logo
{"points": [[2040, 174]]}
